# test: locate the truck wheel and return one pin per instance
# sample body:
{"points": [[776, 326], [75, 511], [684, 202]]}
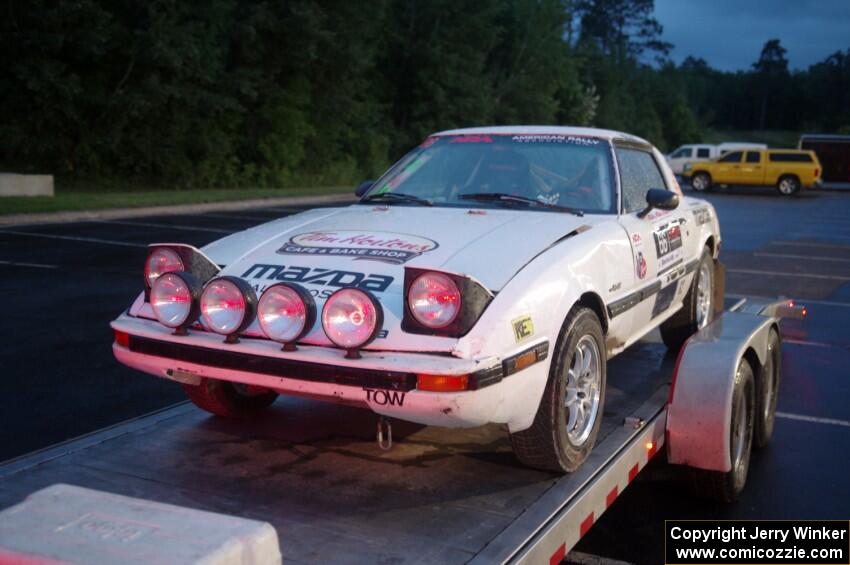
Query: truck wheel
{"points": [[727, 486], [229, 400], [567, 420], [768, 391], [697, 308], [788, 185], [701, 182]]}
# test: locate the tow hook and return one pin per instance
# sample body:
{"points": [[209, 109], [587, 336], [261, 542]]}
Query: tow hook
{"points": [[382, 424]]}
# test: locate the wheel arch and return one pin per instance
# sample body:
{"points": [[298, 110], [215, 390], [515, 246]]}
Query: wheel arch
{"points": [[592, 300]]}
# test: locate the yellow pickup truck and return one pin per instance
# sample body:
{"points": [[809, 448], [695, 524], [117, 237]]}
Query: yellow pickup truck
{"points": [[789, 170]]}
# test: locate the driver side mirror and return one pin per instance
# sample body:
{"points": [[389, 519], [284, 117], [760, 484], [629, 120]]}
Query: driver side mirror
{"points": [[661, 199], [363, 187]]}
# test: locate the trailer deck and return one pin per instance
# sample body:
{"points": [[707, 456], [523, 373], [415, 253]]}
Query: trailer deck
{"points": [[314, 471]]}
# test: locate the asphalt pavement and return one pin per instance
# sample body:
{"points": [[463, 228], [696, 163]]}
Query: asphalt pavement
{"points": [[63, 283]]}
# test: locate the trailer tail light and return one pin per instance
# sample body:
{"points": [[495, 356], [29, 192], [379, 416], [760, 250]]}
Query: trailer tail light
{"points": [[122, 338], [442, 383]]}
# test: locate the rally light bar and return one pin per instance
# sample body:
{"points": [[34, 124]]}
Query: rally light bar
{"points": [[474, 299]]}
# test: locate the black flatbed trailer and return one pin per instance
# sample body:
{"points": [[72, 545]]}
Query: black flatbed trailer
{"points": [[315, 472]]}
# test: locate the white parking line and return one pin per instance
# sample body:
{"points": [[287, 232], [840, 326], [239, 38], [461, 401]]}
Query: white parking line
{"points": [[809, 244], [803, 301], [238, 217], [813, 419], [33, 265], [164, 226], [785, 274], [72, 238], [812, 257]]}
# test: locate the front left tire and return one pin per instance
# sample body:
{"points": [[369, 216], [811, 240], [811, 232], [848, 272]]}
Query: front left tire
{"points": [[229, 400], [567, 421]]}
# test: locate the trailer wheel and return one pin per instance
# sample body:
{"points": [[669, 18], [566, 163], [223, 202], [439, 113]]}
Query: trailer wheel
{"points": [[697, 310], [768, 391], [701, 182], [788, 185], [229, 400], [727, 486], [570, 412]]}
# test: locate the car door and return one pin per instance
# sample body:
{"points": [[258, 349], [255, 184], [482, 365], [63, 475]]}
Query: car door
{"points": [[752, 168], [728, 168], [659, 240]]}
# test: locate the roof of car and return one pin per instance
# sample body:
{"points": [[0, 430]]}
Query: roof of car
{"points": [[606, 134]]}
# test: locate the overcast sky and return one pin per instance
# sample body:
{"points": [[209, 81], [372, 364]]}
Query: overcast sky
{"points": [[729, 34]]}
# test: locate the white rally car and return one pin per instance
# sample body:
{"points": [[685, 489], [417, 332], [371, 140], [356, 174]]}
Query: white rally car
{"points": [[487, 277]]}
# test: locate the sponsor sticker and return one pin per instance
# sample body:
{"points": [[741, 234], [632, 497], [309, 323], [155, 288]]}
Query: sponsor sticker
{"points": [[523, 328], [359, 245], [702, 216], [640, 265], [553, 138]]}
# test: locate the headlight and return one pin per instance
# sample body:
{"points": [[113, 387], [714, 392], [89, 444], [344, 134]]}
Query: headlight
{"points": [[434, 300], [351, 319], [228, 306], [174, 300], [161, 260], [286, 313]]}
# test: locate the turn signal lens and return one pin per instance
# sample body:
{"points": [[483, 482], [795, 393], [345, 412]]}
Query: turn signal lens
{"points": [[352, 318], [122, 338], [434, 300], [161, 260], [442, 383]]}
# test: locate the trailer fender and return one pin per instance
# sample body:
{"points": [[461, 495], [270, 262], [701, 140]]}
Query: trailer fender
{"points": [[700, 407]]}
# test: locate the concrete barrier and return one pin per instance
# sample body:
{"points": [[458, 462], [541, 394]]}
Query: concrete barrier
{"points": [[69, 524], [12, 184]]}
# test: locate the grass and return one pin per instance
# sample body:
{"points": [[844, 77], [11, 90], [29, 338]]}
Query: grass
{"points": [[71, 199], [773, 138]]}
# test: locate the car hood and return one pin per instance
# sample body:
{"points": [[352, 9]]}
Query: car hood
{"points": [[489, 245]]}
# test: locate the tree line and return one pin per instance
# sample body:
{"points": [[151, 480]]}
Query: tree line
{"points": [[280, 93]]}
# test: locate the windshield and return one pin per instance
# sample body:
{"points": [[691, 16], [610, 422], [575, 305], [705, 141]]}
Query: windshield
{"points": [[566, 172]]}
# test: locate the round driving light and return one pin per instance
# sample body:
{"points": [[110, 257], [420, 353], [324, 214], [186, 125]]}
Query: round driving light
{"points": [[174, 300], [161, 260], [352, 318], [434, 300], [228, 306], [286, 313]]}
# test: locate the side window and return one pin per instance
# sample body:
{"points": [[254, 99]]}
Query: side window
{"points": [[733, 157], [703, 153], [638, 173], [753, 157], [681, 153]]}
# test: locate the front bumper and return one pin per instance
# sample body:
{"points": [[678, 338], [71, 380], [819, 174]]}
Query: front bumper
{"points": [[385, 382]]}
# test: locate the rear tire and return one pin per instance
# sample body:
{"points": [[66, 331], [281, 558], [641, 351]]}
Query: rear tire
{"points": [[229, 400], [788, 185], [701, 182], [768, 391], [697, 309], [727, 486], [570, 412]]}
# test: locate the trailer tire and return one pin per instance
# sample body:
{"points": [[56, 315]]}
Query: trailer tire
{"points": [[224, 399], [697, 309], [768, 391], [727, 486], [560, 439]]}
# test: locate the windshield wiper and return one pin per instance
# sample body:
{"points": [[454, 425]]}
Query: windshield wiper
{"points": [[504, 197], [388, 197]]}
